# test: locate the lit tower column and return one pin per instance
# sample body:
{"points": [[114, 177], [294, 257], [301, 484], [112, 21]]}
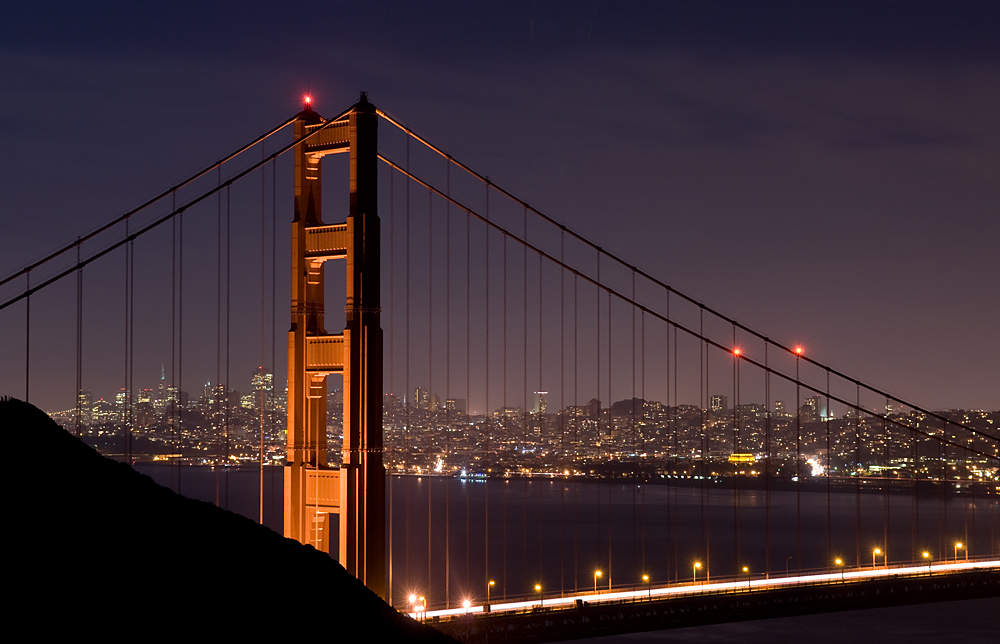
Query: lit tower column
{"points": [[313, 489], [306, 455], [362, 481]]}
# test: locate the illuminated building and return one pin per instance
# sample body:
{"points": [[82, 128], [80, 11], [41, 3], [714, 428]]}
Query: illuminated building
{"points": [[718, 403]]}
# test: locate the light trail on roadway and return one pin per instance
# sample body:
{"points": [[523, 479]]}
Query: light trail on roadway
{"points": [[745, 585]]}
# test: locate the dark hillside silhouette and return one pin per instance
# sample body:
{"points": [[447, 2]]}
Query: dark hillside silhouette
{"points": [[94, 547]]}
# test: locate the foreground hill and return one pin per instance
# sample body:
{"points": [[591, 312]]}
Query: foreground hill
{"points": [[93, 546]]}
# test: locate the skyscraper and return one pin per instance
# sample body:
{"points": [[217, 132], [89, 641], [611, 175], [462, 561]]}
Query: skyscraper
{"points": [[421, 398], [161, 390], [262, 386], [541, 402]]}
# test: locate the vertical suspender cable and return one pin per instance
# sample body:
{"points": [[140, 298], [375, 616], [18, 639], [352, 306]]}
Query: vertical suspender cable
{"points": [[272, 405], [226, 389], [632, 430], [857, 477], [942, 485], [611, 430], [170, 403], [674, 526], [706, 500], [702, 376], [27, 337], [121, 413], [576, 422], [673, 453], [393, 453], [914, 492], [767, 463], [488, 419], [971, 503], [885, 484], [524, 415], [798, 466], [736, 448], [180, 341], [597, 371], [262, 395], [131, 340], [216, 401], [541, 416], [468, 379], [408, 401], [504, 418], [829, 471], [562, 413], [447, 379], [431, 409], [79, 339], [642, 437]]}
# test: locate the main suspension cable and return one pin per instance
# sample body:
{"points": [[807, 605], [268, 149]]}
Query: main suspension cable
{"points": [[146, 204], [700, 334], [175, 212], [660, 283]]}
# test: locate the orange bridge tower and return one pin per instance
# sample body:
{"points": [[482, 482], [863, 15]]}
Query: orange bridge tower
{"points": [[314, 488]]}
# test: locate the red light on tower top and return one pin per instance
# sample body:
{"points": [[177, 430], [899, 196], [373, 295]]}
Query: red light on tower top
{"points": [[307, 99], [799, 350]]}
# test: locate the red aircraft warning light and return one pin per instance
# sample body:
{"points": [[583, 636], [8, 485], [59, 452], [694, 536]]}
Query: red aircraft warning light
{"points": [[799, 350], [307, 100], [737, 352]]}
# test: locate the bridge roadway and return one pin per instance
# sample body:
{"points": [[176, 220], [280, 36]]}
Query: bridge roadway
{"points": [[643, 608]]}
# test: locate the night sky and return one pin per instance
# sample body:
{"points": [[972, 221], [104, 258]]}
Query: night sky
{"points": [[825, 173]]}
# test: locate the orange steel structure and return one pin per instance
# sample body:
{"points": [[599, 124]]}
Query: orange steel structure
{"points": [[314, 488]]}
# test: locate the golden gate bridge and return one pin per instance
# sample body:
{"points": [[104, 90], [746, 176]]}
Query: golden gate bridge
{"points": [[565, 370]]}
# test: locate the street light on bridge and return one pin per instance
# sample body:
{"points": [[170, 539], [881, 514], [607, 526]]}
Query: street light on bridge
{"points": [[960, 546], [840, 564], [418, 605], [541, 597], [597, 573], [649, 590], [696, 568], [927, 556], [876, 551]]}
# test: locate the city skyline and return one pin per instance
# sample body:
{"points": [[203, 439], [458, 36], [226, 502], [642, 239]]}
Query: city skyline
{"points": [[425, 398]]}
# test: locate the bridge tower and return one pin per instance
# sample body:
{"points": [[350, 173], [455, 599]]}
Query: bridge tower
{"points": [[314, 488]]}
